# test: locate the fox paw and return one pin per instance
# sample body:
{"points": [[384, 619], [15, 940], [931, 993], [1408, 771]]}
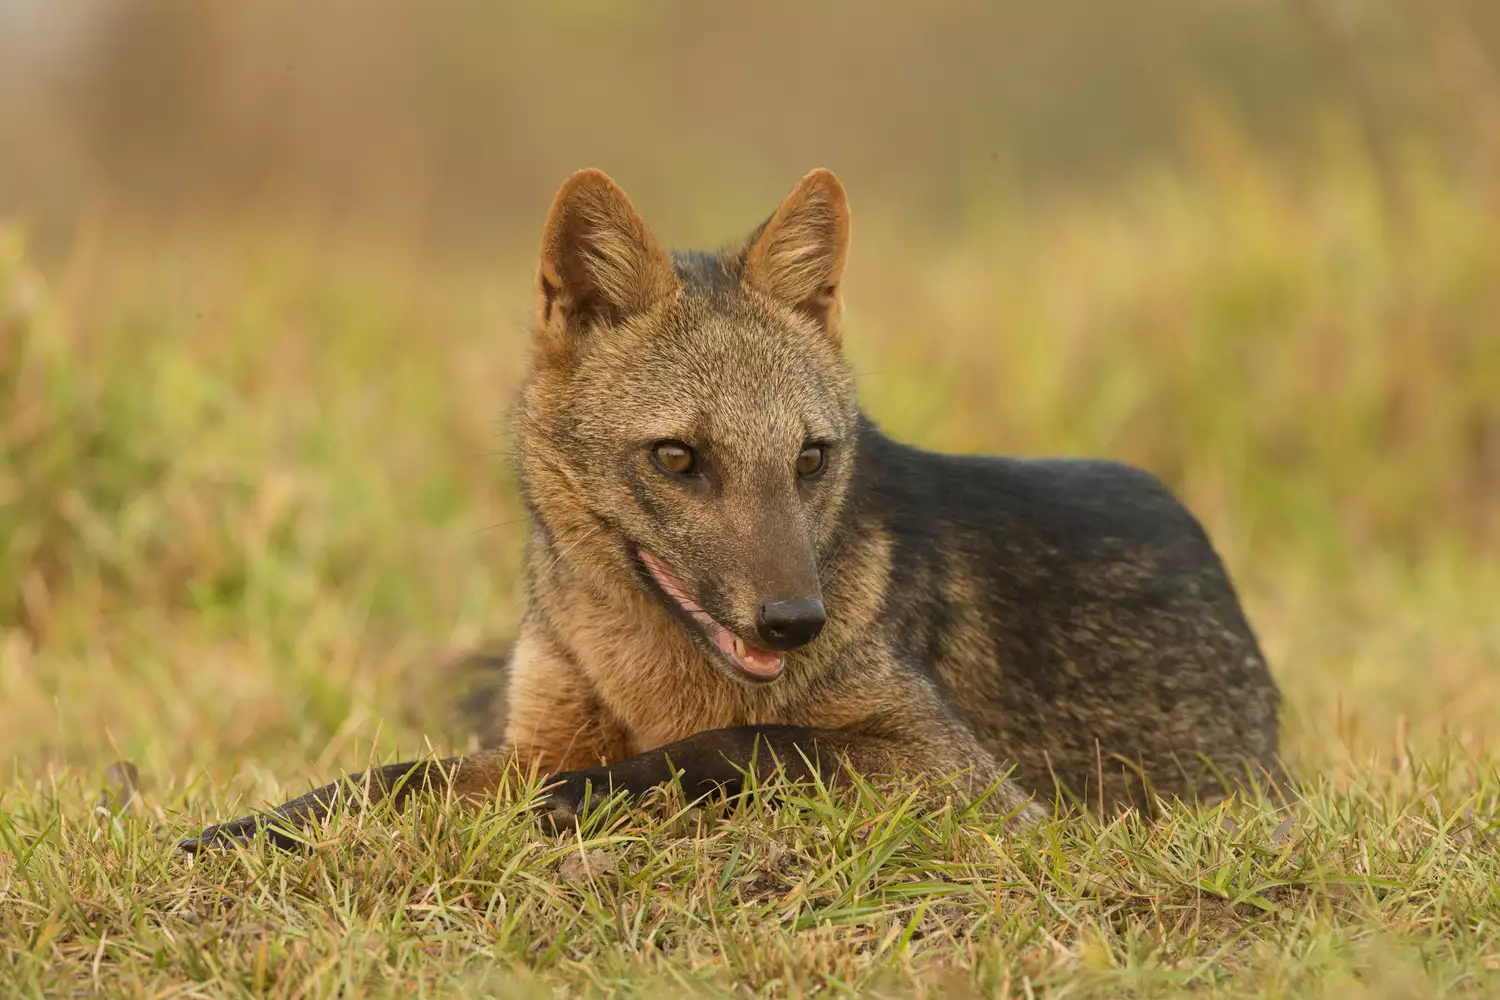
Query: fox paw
{"points": [[240, 831], [567, 795]]}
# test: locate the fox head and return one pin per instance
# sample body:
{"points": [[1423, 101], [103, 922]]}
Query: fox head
{"points": [[688, 426]]}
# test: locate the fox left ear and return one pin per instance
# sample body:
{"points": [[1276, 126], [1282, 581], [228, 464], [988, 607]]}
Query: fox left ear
{"points": [[599, 262], [798, 256]]}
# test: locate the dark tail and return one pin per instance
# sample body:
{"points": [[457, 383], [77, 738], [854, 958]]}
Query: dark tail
{"points": [[480, 679]]}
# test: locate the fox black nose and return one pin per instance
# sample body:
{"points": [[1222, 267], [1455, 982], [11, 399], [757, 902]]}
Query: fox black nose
{"points": [[788, 622]]}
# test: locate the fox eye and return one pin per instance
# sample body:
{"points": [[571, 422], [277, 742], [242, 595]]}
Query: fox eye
{"points": [[674, 457], [810, 462]]}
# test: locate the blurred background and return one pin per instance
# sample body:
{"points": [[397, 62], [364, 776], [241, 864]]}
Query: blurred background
{"points": [[265, 274]]}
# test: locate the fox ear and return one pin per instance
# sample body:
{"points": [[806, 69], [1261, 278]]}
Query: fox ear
{"points": [[798, 256], [599, 261]]}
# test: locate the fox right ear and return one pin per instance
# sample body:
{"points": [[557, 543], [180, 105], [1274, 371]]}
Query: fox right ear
{"points": [[798, 256], [599, 261]]}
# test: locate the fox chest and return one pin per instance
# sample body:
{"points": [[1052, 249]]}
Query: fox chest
{"points": [[651, 686], [682, 695], [655, 688], [665, 698]]}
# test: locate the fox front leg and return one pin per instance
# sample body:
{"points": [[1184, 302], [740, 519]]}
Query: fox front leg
{"points": [[475, 776], [718, 760], [707, 762]]}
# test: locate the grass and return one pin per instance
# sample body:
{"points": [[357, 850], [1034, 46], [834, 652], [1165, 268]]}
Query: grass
{"points": [[252, 495], [861, 892]]}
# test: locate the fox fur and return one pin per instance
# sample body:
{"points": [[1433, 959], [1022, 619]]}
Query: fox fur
{"points": [[1064, 625]]}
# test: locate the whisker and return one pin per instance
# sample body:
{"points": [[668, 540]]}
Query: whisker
{"points": [[498, 524], [568, 548]]}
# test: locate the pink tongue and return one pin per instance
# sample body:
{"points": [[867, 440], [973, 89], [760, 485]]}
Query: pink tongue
{"points": [[761, 661]]}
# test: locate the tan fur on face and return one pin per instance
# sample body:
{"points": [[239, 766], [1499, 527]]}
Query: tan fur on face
{"points": [[739, 378]]}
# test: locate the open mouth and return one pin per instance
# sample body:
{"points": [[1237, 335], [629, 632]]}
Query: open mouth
{"points": [[751, 661]]}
